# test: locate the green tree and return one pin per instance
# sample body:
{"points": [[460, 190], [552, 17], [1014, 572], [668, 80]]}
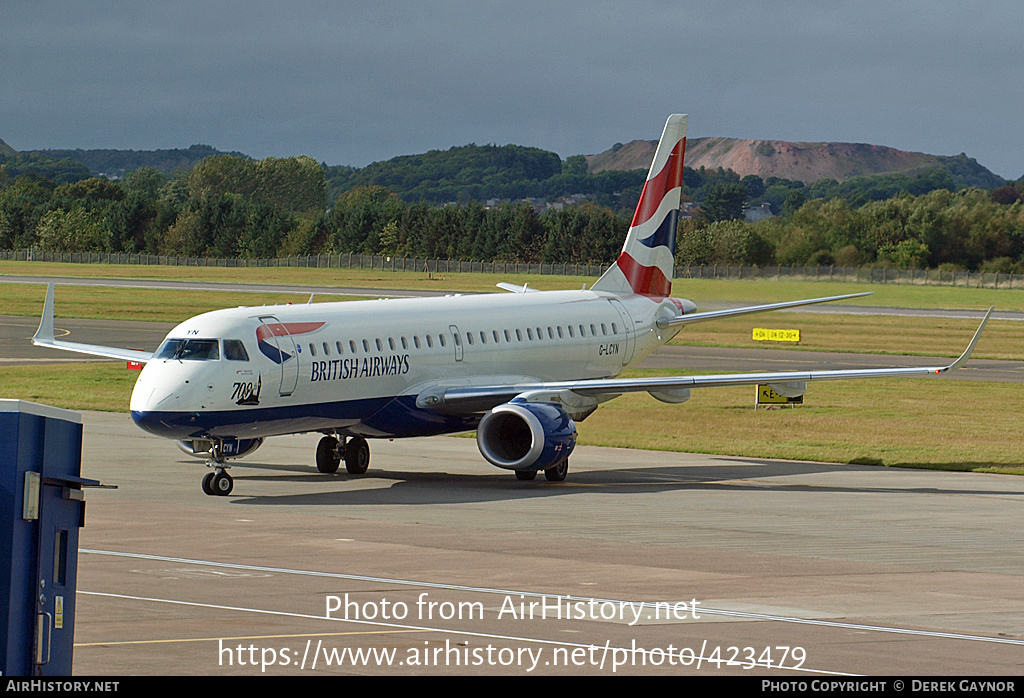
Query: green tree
{"points": [[71, 231], [724, 201], [908, 254], [575, 165]]}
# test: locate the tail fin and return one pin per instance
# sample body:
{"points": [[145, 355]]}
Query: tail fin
{"points": [[645, 264]]}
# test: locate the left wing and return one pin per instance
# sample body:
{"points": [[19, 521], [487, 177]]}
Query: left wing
{"points": [[44, 338], [475, 399]]}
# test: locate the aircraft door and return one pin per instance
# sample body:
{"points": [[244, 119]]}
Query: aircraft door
{"points": [[456, 341], [627, 323], [279, 346]]}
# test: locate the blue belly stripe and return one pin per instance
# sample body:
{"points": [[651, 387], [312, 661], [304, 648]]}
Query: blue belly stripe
{"points": [[386, 417]]}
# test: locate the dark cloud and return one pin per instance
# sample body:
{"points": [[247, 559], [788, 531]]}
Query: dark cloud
{"points": [[352, 82]]}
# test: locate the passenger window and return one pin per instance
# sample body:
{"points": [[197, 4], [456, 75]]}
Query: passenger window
{"points": [[366, 346], [430, 344], [615, 329], [391, 343], [416, 341], [508, 337], [571, 335], [483, 337], [604, 329], [338, 345], [312, 349], [405, 343], [327, 350], [380, 347], [440, 338], [529, 333], [469, 338], [519, 335], [559, 328], [352, 345]]}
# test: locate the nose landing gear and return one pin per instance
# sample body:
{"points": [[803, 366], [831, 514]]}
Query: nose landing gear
{"points": [[218, 483]]}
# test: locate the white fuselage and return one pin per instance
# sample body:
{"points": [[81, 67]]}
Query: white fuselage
{"points": [[356, 367]]}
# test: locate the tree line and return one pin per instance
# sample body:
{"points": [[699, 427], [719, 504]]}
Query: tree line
{"points": [[232, 206], [971, 229]]}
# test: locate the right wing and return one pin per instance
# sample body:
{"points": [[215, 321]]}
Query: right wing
{"points": [[44, 338], [475, 399]]}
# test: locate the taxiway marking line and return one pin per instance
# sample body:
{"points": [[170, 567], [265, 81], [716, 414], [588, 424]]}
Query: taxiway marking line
{"points": [[568, 597], [416, 628], [246, 637]]}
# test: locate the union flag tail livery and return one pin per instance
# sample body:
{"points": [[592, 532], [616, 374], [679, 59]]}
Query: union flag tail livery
{"points": [[520, 368], [645, 264]]}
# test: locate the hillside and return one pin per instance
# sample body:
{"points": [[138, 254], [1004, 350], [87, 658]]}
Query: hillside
{"points": [[804, 162], [116, 163]]}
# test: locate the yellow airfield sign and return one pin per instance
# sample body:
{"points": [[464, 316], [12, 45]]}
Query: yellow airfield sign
{"points": [[762, 334], [767, 396]]}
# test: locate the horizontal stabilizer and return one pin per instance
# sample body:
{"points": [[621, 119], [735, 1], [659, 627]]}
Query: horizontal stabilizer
{"points": [[515, 289], [681, 320]]}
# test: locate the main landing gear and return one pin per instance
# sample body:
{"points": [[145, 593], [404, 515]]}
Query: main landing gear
{"points": [[555, 473], [353, 450]]}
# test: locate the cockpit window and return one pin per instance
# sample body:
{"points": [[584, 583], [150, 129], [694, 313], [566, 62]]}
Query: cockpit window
{"points": [[234, 350], [189, 350]]}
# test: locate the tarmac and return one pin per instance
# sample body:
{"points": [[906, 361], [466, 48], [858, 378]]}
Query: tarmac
{"points": [[640, 563]]}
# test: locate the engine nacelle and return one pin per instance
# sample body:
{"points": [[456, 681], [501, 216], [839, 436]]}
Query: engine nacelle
{"points": [[522, 435], [672, 397], [789, 388], [228, 448]]}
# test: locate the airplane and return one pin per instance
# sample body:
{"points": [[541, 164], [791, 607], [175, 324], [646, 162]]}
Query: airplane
{"points": [[520, 368]]}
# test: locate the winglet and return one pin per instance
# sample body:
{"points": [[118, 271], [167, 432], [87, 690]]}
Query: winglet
{"points": [[44, 334], [970, 347]]}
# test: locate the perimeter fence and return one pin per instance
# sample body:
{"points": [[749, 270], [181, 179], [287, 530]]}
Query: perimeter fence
{"points": [[863, 274]]}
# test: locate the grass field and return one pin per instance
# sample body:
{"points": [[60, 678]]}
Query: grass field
{"points": [[962, 425], [925, 423], [702, 291], [868, 334]]}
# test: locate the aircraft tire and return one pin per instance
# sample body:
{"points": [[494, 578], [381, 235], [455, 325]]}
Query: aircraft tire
{"points": [[558, 472], [327, 457], [222, 484], [357, 455], [208, 484], [525, 474]]}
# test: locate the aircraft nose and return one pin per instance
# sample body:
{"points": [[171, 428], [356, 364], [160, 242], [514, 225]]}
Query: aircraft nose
{"points": [[169, 425], [153, 409]]}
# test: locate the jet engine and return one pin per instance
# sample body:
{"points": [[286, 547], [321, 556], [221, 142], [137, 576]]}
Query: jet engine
{"points": [[521, 435], [219, 450]]}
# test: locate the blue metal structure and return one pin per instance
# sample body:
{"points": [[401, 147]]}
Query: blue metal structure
{"points": [[41, 510]]}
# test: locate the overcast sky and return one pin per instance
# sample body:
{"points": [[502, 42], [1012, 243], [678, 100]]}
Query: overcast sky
{"points": [[349, 83]]}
